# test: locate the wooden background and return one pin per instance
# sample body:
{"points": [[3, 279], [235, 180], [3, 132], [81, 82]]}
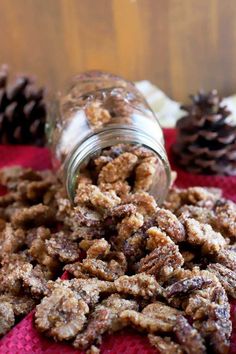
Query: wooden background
{"points": [[180, 45]]}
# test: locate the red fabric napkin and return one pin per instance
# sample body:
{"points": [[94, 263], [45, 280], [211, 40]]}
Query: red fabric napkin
{"points": [[23, 338]]}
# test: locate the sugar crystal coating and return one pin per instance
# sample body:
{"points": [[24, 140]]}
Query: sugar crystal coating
{"points": [[164, 270]]}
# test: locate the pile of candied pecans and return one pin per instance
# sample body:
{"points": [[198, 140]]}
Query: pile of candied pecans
{"points": [[167, 272]]}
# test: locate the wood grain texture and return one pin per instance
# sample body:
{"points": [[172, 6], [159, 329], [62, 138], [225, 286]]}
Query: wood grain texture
{"points": [[180, 45]]}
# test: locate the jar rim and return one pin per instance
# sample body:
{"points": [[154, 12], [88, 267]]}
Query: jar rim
{"points": [[106, 138]]}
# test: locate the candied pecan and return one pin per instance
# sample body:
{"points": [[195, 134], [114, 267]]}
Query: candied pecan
{"points": [[86, 244], [129, 225], [35, 215], [11, 209], [64, 210], [165, 345], [140, 151], [102, 270], [7, 199], [118, 169], [83, 194], [217, 329], [97, 115], [156, 238], [210, 311], [217, 335], [32, 190], [39, 252], [156, 317], [76, 270], [87, 289], [115, 150], [174, 200], [122, 211], [12, 272], [203, 215], [122, 188], [60, 246], [10, 176], [97, 248], [48, 175], [145, 203], [227, 257], [90, 289], [203, 235], [84, 178], [111, 267], [11, 240], [92, 195], [7, 318], [185, 286], [120, 261], [101, 161], [21, 304], [198, 302], [225, 219], [32, 175], [145, 174], [138, 285], [168, 222], [163, 260], [49, 197], [104, 200], [61, 315], [198, 196], [226, 276], [189, 338], [36, 281], [134, 247], [181, 273], [83, 216], [36, 189], [40, 232], [86, 233], [118, 106], [203, 197], [104, 318]]}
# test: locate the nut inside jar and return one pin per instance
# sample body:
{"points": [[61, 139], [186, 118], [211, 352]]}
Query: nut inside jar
{"points": [[122, 168], [102, 113]]}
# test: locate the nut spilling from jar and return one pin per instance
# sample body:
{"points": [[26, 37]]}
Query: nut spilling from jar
{"points": [[168, 272], [122, 169]]}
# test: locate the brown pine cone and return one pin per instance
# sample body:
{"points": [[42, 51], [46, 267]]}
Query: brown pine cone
{"points": [[22, 110], [206, 141]]}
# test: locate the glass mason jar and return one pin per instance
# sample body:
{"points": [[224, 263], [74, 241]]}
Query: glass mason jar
{"points": [[97, 111]]}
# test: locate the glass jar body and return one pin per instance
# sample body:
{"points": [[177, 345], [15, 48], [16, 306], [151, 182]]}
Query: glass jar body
{"points": [[98, 111]]}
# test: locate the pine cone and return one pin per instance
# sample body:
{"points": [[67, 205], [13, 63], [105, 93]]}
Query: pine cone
{"points": [[22, 111], [206, 141]]}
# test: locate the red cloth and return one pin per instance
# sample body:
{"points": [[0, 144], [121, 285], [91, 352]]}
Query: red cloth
{"points": [[24, 338]]}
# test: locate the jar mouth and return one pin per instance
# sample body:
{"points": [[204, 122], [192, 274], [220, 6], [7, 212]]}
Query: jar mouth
{"points": [[107, 138]]}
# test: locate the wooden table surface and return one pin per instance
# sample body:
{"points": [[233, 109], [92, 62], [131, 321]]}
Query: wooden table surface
{"points": [[180, 45]]}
